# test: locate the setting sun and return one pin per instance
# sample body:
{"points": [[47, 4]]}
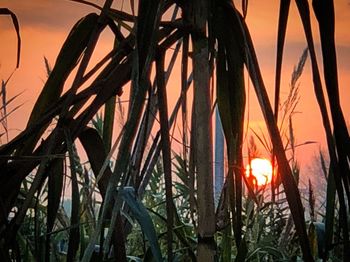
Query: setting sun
{"points": [[261, 169]]}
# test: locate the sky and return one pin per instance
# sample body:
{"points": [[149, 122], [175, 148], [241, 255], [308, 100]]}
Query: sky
{"points": [[307, 122], [44, 25]]}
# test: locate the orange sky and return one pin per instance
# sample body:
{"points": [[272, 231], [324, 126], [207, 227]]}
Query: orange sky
{"points": [[263, 26], [46, 23]]}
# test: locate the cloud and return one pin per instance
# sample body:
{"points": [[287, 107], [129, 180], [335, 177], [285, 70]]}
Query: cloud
{"points": [[48, 14]]}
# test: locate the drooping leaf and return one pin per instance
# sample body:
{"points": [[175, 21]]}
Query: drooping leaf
{"points": [[336, 164], [325, 14], [140, 213], [179, 231], [55, 185], [149, 17], [67, 59], [292, 192], [6, 11], [94, 148], [37, 182]]}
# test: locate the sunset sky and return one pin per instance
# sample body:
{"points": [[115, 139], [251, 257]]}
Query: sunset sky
{"points": [[44, 25]]}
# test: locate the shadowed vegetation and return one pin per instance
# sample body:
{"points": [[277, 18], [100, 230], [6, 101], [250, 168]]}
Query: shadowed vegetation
{"points": [[138, 198]]}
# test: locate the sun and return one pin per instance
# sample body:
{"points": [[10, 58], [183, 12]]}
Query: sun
{"points": [[261, 169]]}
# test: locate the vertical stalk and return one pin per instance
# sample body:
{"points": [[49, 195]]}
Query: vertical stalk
{"points": [[291, 189], [282, 28], [219, 157], [184, 73], [202, 129], [164, 129]]}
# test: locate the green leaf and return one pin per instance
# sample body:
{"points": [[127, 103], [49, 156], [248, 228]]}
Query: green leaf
{"points": [[313, 239], [140, 213], [134, 259], [180, 231], [242, 251], [330, 209], [226, 243], [321, 239]]}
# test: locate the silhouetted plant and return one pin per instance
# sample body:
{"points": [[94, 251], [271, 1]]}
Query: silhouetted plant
{"points": [[215, 37]]}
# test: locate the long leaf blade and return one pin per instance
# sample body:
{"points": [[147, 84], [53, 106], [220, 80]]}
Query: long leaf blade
{"points": [[6, 11], [143, 218], [292, 192], [55, 185], [68, 57]]}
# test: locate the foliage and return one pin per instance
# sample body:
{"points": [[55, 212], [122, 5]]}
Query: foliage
{"points": [[165, 208]]}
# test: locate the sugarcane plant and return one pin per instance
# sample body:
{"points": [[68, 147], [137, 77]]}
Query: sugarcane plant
{"points": [[215, 48]]}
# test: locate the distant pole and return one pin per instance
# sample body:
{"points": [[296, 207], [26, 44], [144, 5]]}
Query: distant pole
{"points": [[219, 158]]}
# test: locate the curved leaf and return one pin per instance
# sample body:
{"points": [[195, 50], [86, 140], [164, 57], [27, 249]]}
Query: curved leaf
{"points": [[291, 189], [336, 164], [6, 11], [94, 148], [67, 59], [140, 213]]}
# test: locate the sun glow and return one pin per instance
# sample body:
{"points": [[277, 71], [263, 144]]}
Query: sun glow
{"points": [[261, 169]]}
